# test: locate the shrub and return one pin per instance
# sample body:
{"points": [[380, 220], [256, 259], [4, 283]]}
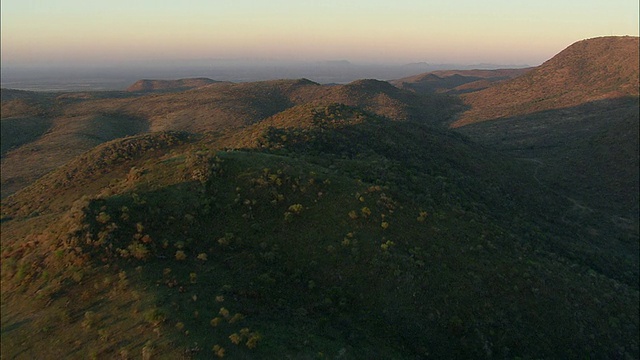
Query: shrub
{"points": [[237, 317], [123, 281], [138, 251], [387, 245], [235, 338], [103, 218], [103, 334], [218, 351], [224, 313], [252, 342], [296, 208], [154, 316], [251, 338], [226, 240], [89, 319], [147, 351]]}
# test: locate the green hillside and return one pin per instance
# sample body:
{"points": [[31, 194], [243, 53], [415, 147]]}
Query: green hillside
{"points": [[347, 235]]}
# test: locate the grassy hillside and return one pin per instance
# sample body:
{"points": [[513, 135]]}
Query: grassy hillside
{"points": [[347, 235], [589, 70], [46, 144]]}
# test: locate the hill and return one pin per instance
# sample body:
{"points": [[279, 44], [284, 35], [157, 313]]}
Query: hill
{"points": [[316, 240], [589, 70], [169, 85], [456, 81], [220, 107], [44, 144]]}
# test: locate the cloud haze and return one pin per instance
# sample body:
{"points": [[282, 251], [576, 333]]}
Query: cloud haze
{"points": [[74, 32]]}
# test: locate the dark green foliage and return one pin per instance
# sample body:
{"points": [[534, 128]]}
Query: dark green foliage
{"points": [[586, 156], [457, 283]]}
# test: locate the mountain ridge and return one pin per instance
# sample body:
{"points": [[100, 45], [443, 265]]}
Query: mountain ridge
{"points": [[146, 85], [456, 81], [588, 70]]}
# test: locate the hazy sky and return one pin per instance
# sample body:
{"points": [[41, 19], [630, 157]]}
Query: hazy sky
{"points": [[91, 32]]}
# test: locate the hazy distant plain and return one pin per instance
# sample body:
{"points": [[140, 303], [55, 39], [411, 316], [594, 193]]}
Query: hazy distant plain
{"points": [[119, 78]]}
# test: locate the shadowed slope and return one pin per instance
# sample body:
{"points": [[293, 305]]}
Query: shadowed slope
{"points": [[65, 138], [21, 130], [588, 152]]}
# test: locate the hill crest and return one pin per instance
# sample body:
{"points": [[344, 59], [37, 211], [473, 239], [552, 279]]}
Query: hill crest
{"points": [[456, 81], [146, 85], [588, 70]]}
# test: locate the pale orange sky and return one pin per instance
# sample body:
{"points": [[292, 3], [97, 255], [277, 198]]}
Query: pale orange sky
{"points": [[85, 32]]}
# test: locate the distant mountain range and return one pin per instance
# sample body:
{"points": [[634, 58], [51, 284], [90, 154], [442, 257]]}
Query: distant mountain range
{"points": [[169, 85], [119, 78], [456, 81]]}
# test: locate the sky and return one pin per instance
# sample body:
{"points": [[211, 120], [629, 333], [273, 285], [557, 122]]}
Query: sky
{"points": [[99, 33]]}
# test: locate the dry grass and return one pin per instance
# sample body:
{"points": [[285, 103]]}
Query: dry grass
{"points": [[56, 142]]}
